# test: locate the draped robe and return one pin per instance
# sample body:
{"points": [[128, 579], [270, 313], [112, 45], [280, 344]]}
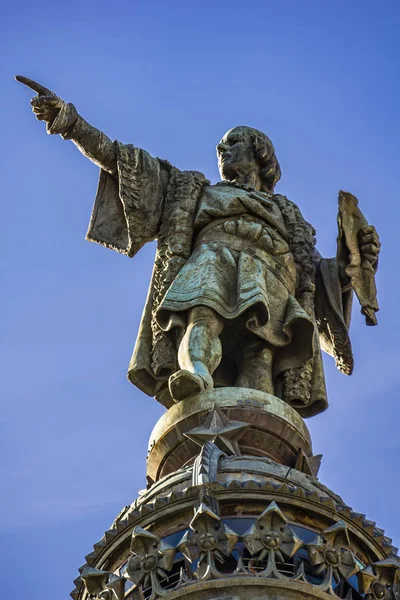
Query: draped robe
{"points": [[150, 200]]}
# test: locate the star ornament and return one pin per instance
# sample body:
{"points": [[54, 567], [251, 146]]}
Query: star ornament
{"points": [[115, 588], [103, 585], [220, 430], [331, 552], [151, 558], [95, 580], [207, 538], [271, 534], [381, 580]]}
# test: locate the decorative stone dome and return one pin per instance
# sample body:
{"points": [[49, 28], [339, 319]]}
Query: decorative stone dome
{"points": [[239, 527]]}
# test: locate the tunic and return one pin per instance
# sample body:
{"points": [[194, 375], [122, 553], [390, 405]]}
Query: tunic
{"points": [[241, 264]]}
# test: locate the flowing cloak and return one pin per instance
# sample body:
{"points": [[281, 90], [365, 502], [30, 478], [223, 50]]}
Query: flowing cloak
{"points": [[150, 199]]}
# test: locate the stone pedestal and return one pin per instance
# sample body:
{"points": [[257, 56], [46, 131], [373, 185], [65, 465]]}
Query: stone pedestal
{"points": [[276, 430]]}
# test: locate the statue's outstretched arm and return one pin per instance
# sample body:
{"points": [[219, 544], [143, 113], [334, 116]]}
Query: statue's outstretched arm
{"points": [[61, 117], [94, 144]]}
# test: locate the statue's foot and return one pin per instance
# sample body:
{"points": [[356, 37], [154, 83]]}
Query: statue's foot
{"points": [[185, 383]]}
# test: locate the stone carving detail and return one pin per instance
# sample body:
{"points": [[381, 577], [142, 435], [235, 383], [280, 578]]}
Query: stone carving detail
{"points": [[205, 466], [216, 551], [207, 540], [151, 559], [308, 464], [271, 538], [381, 580], [330, 553], [217, 436], [103, 585], [220, 430]]}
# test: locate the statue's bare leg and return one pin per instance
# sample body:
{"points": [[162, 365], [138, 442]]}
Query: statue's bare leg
{"points": [[199, 354], [254, 364]]}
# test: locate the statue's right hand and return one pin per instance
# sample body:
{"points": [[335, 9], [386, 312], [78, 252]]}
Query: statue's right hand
{"points": [[45, 105]]}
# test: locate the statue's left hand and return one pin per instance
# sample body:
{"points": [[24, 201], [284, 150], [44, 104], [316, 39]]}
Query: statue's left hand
{"points": [[369, 244]]}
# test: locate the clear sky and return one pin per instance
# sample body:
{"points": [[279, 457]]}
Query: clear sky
{"points": [[321, 78]]}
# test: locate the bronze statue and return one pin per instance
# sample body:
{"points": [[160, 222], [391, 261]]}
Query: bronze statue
{"points": [[239, 294]]}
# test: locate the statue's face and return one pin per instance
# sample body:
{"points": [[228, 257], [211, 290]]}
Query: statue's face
{"points": [[236, 155]]}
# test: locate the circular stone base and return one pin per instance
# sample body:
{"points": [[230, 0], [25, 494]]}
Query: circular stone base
{"points": [[276, 430]]}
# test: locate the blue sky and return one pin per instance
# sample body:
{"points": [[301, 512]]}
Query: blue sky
{"points": [[321, 79]]}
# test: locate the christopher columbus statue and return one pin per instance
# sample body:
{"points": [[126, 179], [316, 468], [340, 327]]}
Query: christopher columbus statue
{"points": [[239, 294]]}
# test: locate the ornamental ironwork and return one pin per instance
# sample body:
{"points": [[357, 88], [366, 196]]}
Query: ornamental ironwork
{"points": [[151, 560], [330, 553], [207, 540], [271, 538], [270, 548], [381, 580]]}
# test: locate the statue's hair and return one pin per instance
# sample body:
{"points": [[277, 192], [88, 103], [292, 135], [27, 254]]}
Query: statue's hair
{"points": [[265, 153]]}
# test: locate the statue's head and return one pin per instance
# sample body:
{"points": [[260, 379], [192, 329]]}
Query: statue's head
{"points": [[243, 150]]}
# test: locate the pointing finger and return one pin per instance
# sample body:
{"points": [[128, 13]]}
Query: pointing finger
{"points": [[36, 87]]}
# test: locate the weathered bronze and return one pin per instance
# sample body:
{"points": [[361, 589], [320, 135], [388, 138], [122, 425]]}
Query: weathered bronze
{"points": [[239, 296], [239, 308]]}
